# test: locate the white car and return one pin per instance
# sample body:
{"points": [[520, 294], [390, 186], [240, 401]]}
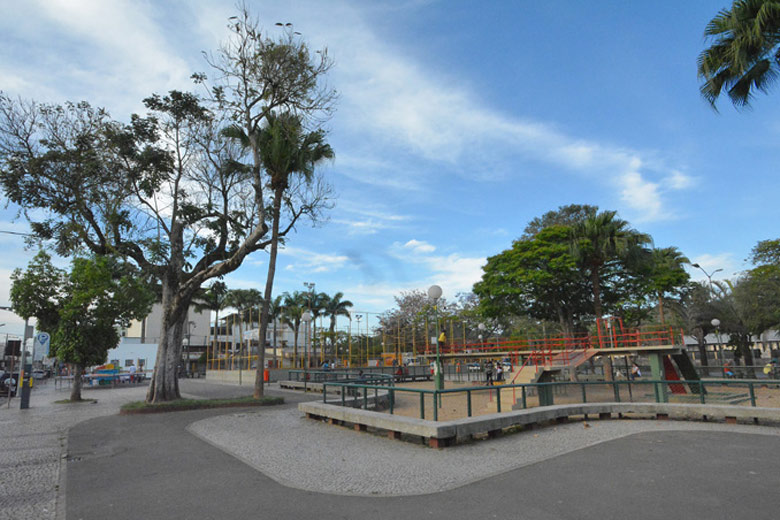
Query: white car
{"points": [[38, 374]]}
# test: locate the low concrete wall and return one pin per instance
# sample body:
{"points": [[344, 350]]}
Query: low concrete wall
{"points": [[443, 433], [231, 377]]}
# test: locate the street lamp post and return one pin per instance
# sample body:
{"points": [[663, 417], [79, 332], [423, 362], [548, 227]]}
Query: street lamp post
{"points": [[434, 293], [306, 319], [708, 275], [358, 317], [716, 323], [481, 328]]}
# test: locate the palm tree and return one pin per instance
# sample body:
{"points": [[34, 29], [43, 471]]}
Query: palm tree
{"points": [[667, 273], [275, 311], [213, 299], [286, 151], [317, 303], [294, 307], [599, 241], [744, 53], [244, 300], [335, 307]]}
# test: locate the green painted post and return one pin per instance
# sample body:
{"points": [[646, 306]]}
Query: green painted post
{"points": [[365, 398], [616, 391], [436, 408], [343, 397], [422, 405], [657, 370], [584, 395], [498, 398], [752, 394], [468, 401], [392, 400], [525, 404]]}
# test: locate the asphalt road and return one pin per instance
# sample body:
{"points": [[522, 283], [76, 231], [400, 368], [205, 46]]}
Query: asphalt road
{"points": [[149, 466]]}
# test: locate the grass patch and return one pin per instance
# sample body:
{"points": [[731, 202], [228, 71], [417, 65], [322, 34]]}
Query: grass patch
{"points": [[68, 401], [178, 405]]}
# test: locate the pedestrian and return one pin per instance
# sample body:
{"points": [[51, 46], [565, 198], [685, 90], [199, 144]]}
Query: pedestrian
{"points": [[499, 373], [489, 374], [442, 339], [635, 372], [727, 370]]}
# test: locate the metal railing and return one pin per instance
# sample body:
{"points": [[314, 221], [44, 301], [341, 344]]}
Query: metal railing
{"points": [[640, 390]]}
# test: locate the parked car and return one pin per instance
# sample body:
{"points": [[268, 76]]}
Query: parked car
{"points": [[38, 374], [474, 367]]}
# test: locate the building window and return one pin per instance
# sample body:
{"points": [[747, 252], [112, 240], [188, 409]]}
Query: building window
{"points": [[128, 362]]}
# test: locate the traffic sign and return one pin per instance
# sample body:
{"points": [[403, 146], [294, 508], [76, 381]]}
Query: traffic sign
{"points": [[41, 345]]}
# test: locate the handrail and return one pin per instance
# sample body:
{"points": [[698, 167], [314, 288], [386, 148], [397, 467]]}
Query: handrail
{"points": [[660, 385]]}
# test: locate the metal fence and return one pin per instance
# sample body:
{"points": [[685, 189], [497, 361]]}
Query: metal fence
{"points": [[463, 402]]}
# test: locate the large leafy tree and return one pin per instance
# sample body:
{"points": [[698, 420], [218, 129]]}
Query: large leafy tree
{"points": [[744, 55], [37, 291], [538, 277], [667, 274], [84, 309], [171, 190]]}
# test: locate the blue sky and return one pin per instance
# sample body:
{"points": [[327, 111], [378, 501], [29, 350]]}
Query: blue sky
{"points": [[457, 123]]}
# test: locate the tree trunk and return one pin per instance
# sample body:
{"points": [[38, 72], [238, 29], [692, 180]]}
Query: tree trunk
{"points": [[78, 372], [661, 308], [269, 286], [699, 333], [606, 360], [747, 356], [165, 380]]}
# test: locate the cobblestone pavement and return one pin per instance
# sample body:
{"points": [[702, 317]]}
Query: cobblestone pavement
{"points": [[33, 443]]}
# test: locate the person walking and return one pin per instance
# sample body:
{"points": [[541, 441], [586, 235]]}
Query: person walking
{"points": [[489, 374], [499, 373]]}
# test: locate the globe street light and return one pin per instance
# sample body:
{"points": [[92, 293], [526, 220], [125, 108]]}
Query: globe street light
{"points": [[481, 328], [716, 323], [434, 293]]}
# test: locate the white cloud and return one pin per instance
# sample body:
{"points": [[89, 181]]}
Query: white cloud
{"points": [[643, 196], [403, 107], [312, 262], [679, 181], [419, 246]]}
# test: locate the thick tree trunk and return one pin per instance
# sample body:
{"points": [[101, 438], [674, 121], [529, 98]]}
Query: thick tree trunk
{"points": [[605, 360], [661, 308], [269, 287], [165, 380], [747, 356], [78, 372], [700, 337]]}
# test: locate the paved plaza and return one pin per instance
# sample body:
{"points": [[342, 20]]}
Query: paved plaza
{"points": [[84, 461]]}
